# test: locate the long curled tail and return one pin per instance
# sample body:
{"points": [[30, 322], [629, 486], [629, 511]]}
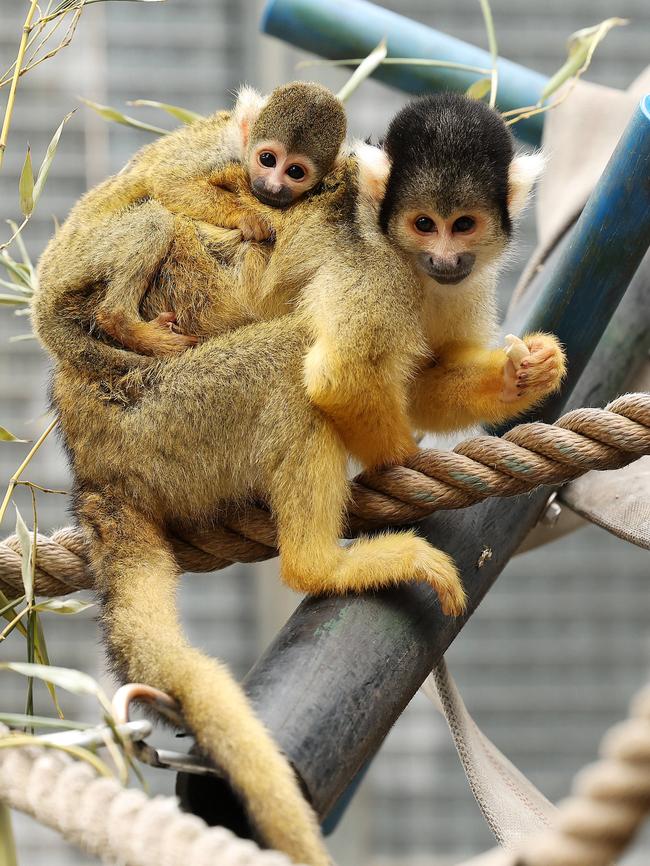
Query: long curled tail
{"points": [[137, 578]]}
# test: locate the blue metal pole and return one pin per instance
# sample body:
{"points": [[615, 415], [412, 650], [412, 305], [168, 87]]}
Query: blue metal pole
{"points": [[340, 29], [607, 245]]}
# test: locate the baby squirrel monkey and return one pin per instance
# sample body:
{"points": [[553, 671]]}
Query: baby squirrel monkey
{"points": [[160, 221], [231, 420]]}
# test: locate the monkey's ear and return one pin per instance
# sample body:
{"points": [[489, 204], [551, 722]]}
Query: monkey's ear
{"points": [[374, 168], [247, 109], [525, 169]]}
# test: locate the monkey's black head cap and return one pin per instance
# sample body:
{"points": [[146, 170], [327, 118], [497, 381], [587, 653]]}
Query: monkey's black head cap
{"points": [[451, 152]]}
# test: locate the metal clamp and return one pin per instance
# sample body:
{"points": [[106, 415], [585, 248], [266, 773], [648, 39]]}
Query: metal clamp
{"points": [[170, 710]]}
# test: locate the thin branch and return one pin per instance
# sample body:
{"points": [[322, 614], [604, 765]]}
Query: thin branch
{"points": [[4, 134], [13, 481]]}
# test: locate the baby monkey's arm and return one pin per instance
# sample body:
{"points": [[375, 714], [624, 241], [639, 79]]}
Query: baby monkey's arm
{"points": [[473, 385], [147, 233]]}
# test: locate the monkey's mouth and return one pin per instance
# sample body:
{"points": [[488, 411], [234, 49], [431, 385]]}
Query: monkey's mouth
{"points": [[272, 199], [448, 279]]}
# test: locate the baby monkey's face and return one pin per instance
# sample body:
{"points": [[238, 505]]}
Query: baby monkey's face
{"points": [[448, 247], [279, 177]]}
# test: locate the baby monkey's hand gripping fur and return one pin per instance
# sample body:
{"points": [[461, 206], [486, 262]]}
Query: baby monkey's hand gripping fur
{"points": [[152, 223]]}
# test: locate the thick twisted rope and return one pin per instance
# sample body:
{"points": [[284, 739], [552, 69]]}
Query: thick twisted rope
{"points": [[116, 824], [594, 826], [478, 468]]}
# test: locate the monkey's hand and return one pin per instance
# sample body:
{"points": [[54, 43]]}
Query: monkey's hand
{"points": [[533, 374], [164, 340], [254, 228]]}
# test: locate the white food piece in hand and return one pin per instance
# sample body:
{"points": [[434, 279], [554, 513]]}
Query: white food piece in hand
{"points": [[516, 349]]}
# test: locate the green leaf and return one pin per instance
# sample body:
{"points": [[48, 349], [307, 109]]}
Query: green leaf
{"points": [[113, 114], [9, 300], [479, 89], [364, 70], [15, 287], [8, 856], [21, 246], [182, 114], [7, 605], [63, 605], [6, 436], [20, 720], [27, 552], [43, 658], [44, 170], [10, 613], [66, 678], [26, 185], [20, 338], [19, 271], [580, 49]]}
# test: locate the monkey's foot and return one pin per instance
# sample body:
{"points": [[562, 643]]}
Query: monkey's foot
{"points": [[254, 228], [534, 375], [378, 562]]}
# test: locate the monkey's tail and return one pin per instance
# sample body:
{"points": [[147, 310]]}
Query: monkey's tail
{"points": [[137, 577]]}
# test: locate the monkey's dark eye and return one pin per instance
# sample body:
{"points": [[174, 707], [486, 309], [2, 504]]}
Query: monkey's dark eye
{"points": [[296, 172], [464, 224], [267, 159], [425, 225]]}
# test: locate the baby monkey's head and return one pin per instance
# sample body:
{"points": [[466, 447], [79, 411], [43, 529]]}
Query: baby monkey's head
{"points": [[294, 141], [455, 185]]}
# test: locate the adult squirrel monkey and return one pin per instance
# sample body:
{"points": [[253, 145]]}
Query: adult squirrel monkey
{"points": [[160, 223], [233, 420]]}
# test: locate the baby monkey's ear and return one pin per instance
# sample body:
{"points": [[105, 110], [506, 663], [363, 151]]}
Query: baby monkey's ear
{"points": [[374, 168], [524, 170], [247, 109]]}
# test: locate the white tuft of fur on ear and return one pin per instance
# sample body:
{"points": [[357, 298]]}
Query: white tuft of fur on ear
{"points": [[374, 168], [248, 106], [525, 169]]}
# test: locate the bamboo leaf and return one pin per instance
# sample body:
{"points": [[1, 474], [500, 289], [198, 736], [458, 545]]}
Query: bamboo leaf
{"points": [[65, 606], [109, 113], [364, 70], [43, 658], [494, 51], [21, 720], [15, 287], [182, 114], [27, 549], [19, 271], [6, 436], [8, 856], [8, 611], [580, 49], [13, 300], [26, 185], [66, 678], [479, 89], [49, 156], [21, 245]]}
